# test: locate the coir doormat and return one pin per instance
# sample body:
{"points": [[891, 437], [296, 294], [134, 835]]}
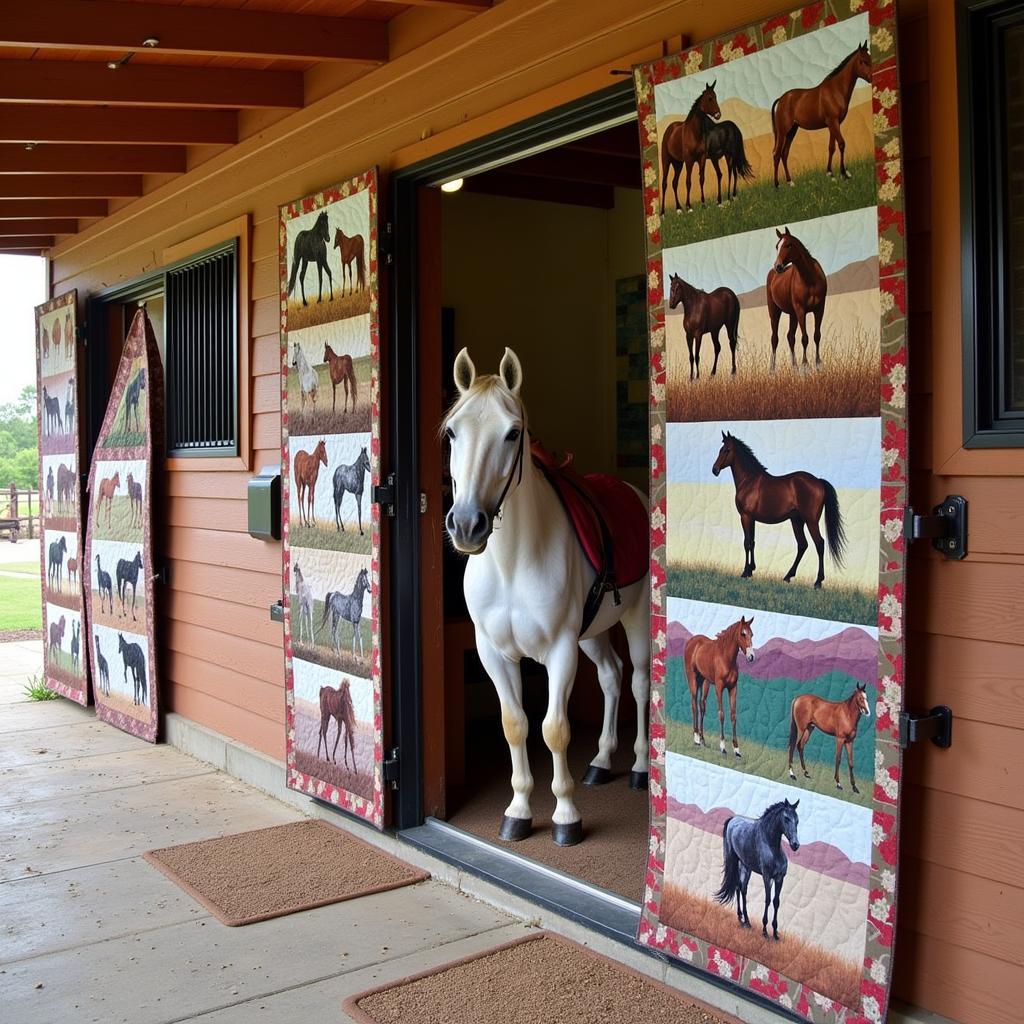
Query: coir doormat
{"points": [[270, 872], [538, 979]]}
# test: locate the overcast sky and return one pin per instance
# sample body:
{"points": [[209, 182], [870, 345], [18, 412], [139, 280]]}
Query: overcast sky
{"points": [[22, 288]]}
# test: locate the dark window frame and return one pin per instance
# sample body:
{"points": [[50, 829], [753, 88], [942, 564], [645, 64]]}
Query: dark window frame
{"points": [[139, 290], [987, 420]]}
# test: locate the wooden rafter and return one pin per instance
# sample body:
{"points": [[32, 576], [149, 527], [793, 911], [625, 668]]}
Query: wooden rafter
{"points": [[450, 5], [48, 122], [53, 226], [34, 242], [72, 159], [69, 186], [147, 84], [210, 31], [29, 209]]}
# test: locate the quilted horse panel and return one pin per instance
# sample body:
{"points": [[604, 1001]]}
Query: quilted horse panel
{"points": [[64, 664], [776, 269], [330, 460], [119, 541]]}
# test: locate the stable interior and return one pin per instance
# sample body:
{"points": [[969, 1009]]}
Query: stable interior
{"points": [[546, 255]]}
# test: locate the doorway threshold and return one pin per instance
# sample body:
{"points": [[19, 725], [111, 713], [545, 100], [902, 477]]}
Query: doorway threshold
{"points": [[580, 901]]}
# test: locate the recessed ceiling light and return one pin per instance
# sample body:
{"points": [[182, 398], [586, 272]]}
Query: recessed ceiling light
{"points": [[452, 186], [113, 64], [30, 146], [150, 42]]}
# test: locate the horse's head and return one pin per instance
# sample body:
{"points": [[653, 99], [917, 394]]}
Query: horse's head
{"points": [[726, 454], [322, 228], [116, 479], [364, 459], [745, 637], [862, 62], [790, 820], [787, 248], [486, 431], [675, 292], [861, 700], [363, 579], [340, 238], [295, 354], [709, 101], [320, 451]]}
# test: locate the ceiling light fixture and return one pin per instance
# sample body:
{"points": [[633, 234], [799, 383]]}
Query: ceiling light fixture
{"points": [[452, 186], [115, 64], [150, 42], [30, 146]]}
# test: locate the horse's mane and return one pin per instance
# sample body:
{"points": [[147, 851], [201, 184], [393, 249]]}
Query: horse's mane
{"points": [[484, 384], [800, 247], [750, 460], [695, 109], [728, 629], [842, 64], [774, 809]]}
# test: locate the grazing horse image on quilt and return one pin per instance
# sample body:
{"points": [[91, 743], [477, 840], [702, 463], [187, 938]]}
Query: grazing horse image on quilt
{"points": [[337, 704], [798, 498], [755, 847], [706, 313], [713, 663], [838, 718], [796, 285], [311, 247], [685, 143], [822, 106]]}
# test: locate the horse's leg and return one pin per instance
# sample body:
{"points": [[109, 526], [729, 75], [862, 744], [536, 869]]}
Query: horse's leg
{"points": [[675, 184], [697, 338], [819, 544], [718, 349], [817, 334], [696, 682], [337, 722], [801, 743], [689, 349], [334, 395], [775, 313], [566, 824], [741, 896], [779, 879], [701, 167], [791, 338], [790, 136], [718, 172], [720, 697], [839, 758], [767, 899], [831, 150], [689, 176], [321, 738], [801, 547], [609, 674], [302, 280], [841, 142], [747, 521], [705, 693], [508, 684], [330, 278], [637, 623], [733, 692], [849, 761], [801, 318], [359, 511]]}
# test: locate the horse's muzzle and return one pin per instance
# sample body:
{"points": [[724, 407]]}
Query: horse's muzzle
{"points": [[795, 846], [780, 267], [750, 655], [715, 470], [468, 528]]}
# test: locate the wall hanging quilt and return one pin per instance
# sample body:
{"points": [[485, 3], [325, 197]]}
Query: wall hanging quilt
{"points": [[119, 540], [776, 292], [330, 460], [60, 519]]}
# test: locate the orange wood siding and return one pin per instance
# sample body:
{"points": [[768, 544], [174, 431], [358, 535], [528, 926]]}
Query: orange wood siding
{"points": [[960, 948]]}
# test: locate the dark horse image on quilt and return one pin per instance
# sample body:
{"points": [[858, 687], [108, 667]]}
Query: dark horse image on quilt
{"points": [[798, 286], [311, 247], [706, 313], [755, 847], [797, 498], [823, 106]]}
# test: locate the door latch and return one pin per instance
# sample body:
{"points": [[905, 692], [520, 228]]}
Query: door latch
{"points": [[946, 527], [391, 768], [384, 495], [935, 725]]}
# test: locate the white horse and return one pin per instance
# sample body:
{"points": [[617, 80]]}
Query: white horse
{"points": [[526, 586], [304, 593], [308, 379]]}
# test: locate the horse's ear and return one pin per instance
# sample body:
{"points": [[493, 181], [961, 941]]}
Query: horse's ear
{"points": [[723, 435], [465, 371], [511, 371], [714, 83], [796, 805], [778, 233]]}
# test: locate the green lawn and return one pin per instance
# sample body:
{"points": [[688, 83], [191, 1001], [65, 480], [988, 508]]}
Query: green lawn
{"points": [[20, 603], [28, 568]]}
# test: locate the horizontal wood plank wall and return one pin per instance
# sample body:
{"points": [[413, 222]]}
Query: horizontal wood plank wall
{"points": [[961, 948], [960, 938]]}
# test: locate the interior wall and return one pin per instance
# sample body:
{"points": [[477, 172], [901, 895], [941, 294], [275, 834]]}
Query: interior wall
{"points": [[539, 277]]}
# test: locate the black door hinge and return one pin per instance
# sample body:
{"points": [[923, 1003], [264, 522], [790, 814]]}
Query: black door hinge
{"points": [[384, 495], [392, 767], [946, 527], [935, 725], [386, 243]]}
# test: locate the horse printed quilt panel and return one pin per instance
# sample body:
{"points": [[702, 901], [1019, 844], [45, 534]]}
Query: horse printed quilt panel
{"points": [[119, 540], [776, 299], [330, 461], [60, 506]]}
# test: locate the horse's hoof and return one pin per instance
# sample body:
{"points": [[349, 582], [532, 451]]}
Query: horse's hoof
{"points": [[596, 776], [638, 780], [737, 753], [839, 786], [567, 835], [514, 829], [817, 586], [807, 775], [856, 790], [775, 937]]}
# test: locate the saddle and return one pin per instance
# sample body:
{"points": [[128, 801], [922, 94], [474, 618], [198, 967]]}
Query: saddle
{"points": [[610, 523]]}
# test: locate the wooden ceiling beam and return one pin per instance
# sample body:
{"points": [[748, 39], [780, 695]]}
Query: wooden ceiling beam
{"points": [[208, 31], [57, 158], [29, 209], [69, 186], [21, 252], [48, 122], [449, 5], [514, 186], [147, 84], [35, 242], [53, 226]]}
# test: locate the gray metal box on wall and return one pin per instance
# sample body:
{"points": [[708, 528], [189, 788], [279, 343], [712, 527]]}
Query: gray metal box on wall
{"points": [[264, 503]]}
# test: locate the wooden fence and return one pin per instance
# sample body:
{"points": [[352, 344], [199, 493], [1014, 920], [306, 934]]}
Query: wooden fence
{"points": [[19, 512]]}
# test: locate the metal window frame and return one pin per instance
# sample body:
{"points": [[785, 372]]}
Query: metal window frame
{"points": [[987, 422]]}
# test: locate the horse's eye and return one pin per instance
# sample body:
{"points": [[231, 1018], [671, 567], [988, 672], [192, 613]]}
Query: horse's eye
{"points": [[449, 433], [513, 434]]}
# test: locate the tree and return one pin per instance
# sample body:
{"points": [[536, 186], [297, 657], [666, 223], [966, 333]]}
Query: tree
{"points": [[19, 441]]}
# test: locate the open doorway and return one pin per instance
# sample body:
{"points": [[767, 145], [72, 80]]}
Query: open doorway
{"points": [[545, 254]]}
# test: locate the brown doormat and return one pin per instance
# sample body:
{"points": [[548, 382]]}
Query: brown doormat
{"points": [[538, 979], [270, 872]]}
